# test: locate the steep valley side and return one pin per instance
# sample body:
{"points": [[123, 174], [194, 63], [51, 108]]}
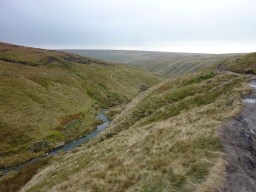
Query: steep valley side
{"points": [[49, 97], [167, 64]]}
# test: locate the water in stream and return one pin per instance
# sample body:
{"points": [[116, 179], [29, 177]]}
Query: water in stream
{"points": [[73, 144], [252, 84], [67, 146], [249, 100]]}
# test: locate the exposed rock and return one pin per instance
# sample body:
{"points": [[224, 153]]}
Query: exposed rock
{"points": [[143, 88], [220, 69], [77, 59], [60, 144], [209, 81], [51, 59], [39, 146]]}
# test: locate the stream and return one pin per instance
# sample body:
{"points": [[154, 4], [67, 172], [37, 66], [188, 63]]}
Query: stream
{"points": [[67, 146], [252, 84]]}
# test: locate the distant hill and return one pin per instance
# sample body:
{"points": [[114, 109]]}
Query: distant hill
{"points": [[162, 63], [42, 92]]}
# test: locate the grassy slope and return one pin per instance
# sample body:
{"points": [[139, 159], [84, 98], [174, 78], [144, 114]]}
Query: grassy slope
{"points": [[52, 96], [165, 140], [162, 63], [242, 64]]}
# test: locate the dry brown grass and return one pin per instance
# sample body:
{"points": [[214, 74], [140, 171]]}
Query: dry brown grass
{"points": [[67, 119], [242, 64], [181, 152], [16, 180]]}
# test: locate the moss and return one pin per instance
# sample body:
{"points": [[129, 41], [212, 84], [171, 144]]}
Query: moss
{"points": [[54, 136]]}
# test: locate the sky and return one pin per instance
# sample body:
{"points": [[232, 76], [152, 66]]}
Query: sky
{"points": [[205, 26]]}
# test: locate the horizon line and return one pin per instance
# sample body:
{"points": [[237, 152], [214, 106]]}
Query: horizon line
{"points": [[58, 48]]}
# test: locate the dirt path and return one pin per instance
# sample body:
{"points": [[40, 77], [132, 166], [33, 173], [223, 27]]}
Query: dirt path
{"points": [[239, 141]]}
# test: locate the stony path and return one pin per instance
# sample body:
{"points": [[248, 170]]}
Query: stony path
{"points": [[239, 141]]}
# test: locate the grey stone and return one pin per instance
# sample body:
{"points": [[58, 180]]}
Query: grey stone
{"points": [[39, 146]]}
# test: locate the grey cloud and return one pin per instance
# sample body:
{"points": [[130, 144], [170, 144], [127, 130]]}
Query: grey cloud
{"points": [[146, 24]]}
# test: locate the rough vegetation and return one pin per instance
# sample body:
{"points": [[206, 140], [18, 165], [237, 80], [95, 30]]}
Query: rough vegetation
{"points": [[164, 140], [162, 63], [16, 180], [51, 97], [242, 64]]}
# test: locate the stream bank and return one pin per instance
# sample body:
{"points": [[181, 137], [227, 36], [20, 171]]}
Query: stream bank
{"points": [[67, 146]]}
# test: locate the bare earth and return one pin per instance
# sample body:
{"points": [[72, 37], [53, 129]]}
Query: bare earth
{"points": [[239, 141]]}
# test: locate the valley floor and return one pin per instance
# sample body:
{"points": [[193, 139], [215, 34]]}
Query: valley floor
{"points": [[239, 141]]}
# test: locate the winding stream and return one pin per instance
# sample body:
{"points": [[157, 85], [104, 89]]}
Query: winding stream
{"points": [[75, 143], [67, 146]]}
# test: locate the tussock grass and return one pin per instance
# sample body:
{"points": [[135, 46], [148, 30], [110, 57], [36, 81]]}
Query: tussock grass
{"points": [[178, 150], [242, 64], [54, 96], [16, 180]]}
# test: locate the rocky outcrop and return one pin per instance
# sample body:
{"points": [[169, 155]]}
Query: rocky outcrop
{"points": [[39, 146], [51, 59], [143, 88], [220, 69]]}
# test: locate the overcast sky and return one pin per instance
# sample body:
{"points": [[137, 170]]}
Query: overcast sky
{"points": [[213, 26]]}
